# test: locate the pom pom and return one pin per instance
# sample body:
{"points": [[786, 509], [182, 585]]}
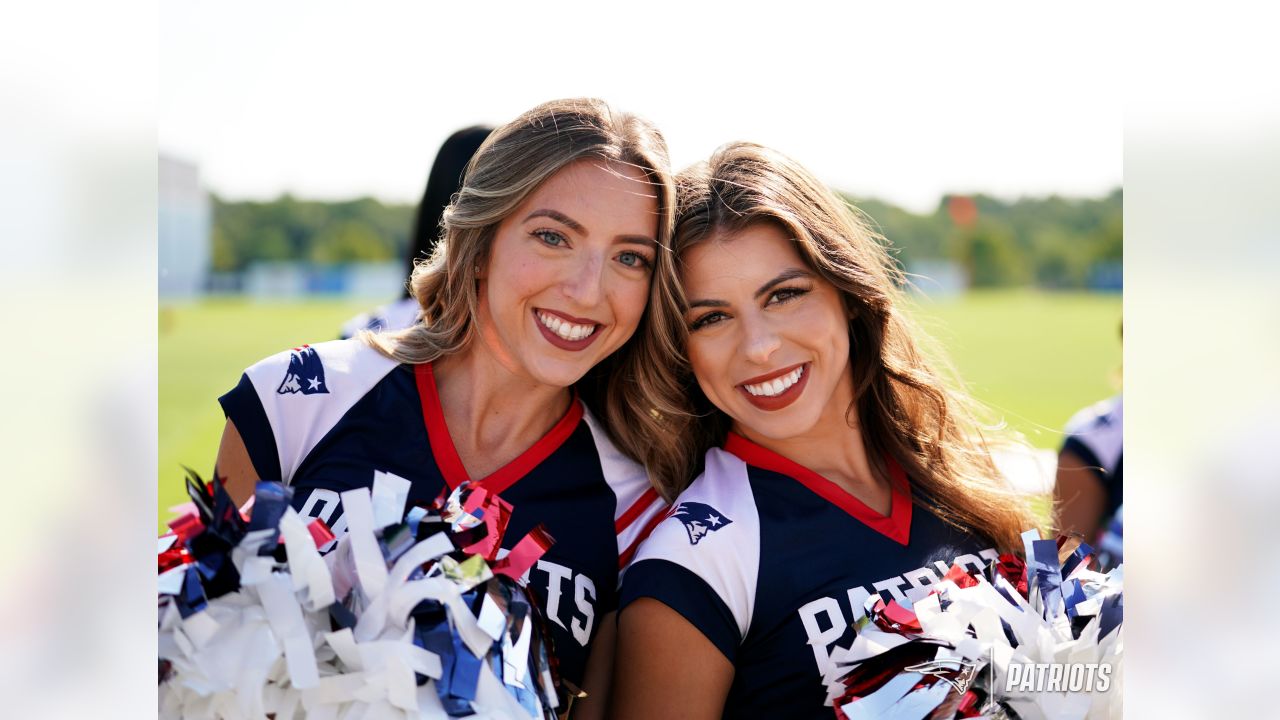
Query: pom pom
{"points": [[1034, 637], [410, 615]]}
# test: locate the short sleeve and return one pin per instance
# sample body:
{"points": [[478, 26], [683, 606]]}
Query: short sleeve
{"points": [[637, 505], [703, 559], [285, 404], [683, 591], [243, 408]]}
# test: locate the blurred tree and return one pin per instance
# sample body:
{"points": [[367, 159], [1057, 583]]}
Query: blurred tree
{"points": [[348, 241], [1051, 241], [990, 255]]}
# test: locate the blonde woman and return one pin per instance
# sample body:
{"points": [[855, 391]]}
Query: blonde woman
{"points": [[837, 465], [551, 262]]}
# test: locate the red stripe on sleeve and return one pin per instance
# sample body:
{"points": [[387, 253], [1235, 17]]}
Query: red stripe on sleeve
{"points": [[635, 511], [630, 552]]}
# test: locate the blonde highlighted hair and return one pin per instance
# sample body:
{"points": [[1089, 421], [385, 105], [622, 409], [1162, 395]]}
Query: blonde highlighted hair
{"points": [[624, 391], [904, 407]]}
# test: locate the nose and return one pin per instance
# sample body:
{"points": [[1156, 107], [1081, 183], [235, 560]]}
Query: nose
{"points": [[585, 283], [760, 340]]}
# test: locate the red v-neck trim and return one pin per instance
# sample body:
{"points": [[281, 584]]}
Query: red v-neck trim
{"points": [[896, 525], [446, 454]]}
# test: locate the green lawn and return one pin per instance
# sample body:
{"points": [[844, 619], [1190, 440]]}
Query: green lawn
{"points": [[204, 347], [1034, 357]]}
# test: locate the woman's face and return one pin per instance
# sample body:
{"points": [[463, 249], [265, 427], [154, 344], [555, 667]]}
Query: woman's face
{"points": [[568, 272], [769, 338]]}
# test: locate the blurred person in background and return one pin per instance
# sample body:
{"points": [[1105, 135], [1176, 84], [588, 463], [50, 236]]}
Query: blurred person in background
{"points": [[1088, 492], [443, 181], [552, 254], [1089, 487]]}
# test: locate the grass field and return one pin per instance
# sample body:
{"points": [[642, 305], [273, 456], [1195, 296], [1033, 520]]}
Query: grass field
{"points": [[1033, 357]]}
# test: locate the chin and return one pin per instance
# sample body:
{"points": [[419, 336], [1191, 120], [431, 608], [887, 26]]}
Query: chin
{"points": [[779, 428], [559, 375]]}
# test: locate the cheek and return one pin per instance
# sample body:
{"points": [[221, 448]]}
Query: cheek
{"points": [[706, 357], [628, 301]]}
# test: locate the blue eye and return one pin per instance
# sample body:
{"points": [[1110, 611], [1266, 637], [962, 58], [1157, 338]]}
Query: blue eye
{"points": [[633, 259], [550, 237]]}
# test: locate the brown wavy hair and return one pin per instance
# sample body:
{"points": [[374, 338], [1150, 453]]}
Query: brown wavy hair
{"points": [[904, 407], [625, 391]]}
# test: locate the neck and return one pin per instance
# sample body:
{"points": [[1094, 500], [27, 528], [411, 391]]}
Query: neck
{"points": [[493, 415], [834, 449]]}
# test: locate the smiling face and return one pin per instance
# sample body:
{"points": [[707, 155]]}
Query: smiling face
{"points": [[568, 272], [769, 338]]}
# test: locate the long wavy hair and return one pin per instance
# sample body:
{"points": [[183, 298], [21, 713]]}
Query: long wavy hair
{"points": [[904, 407], [626, 391]]}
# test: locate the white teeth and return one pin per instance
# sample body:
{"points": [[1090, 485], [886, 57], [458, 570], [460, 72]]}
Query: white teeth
{"points": [[772, 388], [566, 330]]}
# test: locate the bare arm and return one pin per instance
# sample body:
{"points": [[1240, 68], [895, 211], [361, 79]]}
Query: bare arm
{"points": [[1078, 496], [234, 465], [599, 674], [666, 668]]}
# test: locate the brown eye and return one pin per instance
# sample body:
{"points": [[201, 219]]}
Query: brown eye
{"points": [[708, 320]]}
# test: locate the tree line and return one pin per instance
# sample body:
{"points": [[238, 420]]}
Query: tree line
{"points": [[1051, 242]]}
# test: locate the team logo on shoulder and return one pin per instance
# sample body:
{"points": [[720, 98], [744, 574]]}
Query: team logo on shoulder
{"points": [[305, 374], [699, 519]]}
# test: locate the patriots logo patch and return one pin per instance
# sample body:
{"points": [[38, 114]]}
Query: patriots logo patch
{"points": [[699, 519], [305, 373], [959, 673]]}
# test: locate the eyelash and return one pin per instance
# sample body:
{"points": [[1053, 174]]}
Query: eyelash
{"points": [[547, 236], [642, 261], [710, 318], [544, 234], [780, 296], [786, 295]]}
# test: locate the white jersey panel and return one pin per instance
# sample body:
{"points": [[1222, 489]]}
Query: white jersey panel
{"points": [[714, 532], [637, 503], [307, 390], [1100, 427]]}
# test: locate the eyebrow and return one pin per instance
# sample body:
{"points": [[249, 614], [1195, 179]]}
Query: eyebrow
{"points": [[558, 217], [785, 275], [577, 227]]}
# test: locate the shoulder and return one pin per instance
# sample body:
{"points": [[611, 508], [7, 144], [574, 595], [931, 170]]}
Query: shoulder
{"points": [[1098, 430], [712, 531], [1104, 414], [392, 316], [625, 477], [637, 505], [721, 492], [298, 395], [311, 369]]}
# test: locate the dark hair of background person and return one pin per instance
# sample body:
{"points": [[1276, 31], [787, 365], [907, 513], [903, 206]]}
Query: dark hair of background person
{"points": [[443, 181]]}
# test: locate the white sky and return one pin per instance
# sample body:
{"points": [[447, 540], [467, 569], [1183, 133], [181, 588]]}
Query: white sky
{"points": [[904, 102]]}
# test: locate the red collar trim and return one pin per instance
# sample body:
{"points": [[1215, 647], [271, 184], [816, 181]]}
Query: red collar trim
{"points": [[446, 454], [896, 525]]}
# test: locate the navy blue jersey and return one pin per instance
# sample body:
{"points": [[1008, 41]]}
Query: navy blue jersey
{"points": [[773, 564], [1096, 436], [324, 418]]}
